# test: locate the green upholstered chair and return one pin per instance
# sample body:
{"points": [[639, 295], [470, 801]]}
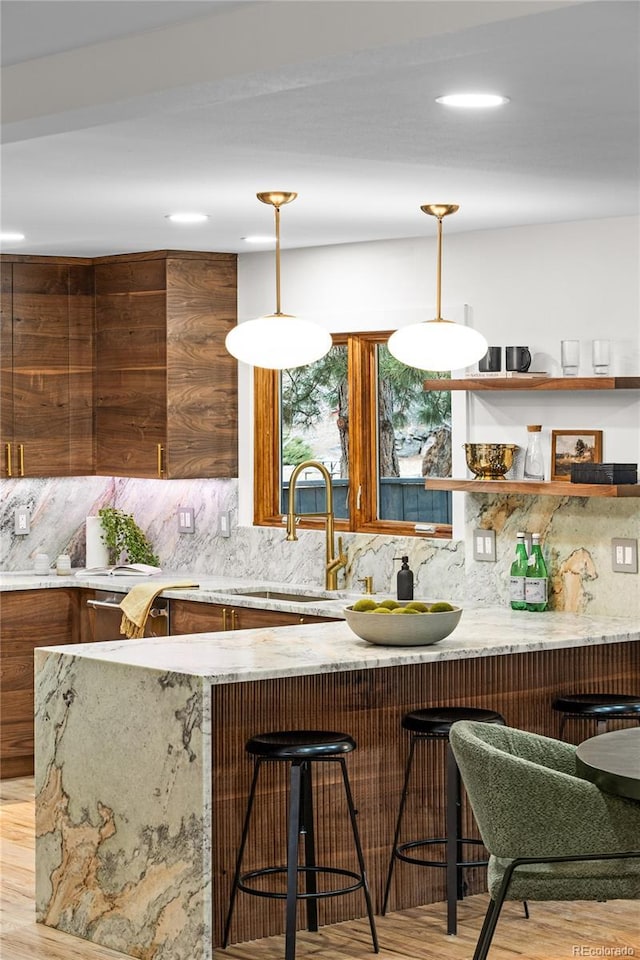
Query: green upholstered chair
{"points": [[551, 835]]}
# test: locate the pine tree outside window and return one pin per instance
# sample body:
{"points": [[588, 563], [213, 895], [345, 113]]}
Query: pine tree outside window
{"points": [[367, 418]]}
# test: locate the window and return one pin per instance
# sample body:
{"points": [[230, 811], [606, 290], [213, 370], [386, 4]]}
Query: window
{"points": [[366, 417]]}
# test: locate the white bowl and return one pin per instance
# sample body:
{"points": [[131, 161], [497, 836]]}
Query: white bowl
{"points": [[403, 630]]}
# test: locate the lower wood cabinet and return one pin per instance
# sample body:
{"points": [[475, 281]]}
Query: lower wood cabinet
{"points": [[189, 616], [28, 619]]}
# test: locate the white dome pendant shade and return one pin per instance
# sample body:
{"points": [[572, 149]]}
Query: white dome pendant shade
{"points": [[278, 341], [437, 344]]}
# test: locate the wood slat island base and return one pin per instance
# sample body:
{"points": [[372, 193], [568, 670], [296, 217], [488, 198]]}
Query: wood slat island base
{"points": [[369, 704], [126, 757]]}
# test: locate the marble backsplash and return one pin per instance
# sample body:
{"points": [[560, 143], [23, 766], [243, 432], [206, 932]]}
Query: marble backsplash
{"points": [[576, 535]]}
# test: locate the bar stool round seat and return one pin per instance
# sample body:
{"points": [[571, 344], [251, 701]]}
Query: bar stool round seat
{"points": [[600, 707], [300, 745], [437, 721], [300, 749], [434, 723]]}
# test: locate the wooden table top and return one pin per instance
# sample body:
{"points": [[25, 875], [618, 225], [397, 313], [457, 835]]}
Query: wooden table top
{"points": [[612, 762]]}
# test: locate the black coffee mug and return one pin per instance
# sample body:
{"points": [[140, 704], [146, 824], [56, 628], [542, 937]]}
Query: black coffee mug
{"points": [[517, 359], [492, 360]]}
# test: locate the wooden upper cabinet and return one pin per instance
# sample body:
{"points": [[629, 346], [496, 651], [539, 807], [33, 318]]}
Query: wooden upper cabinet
{"points": [[46, 417], [6, 368], [166, 388]]}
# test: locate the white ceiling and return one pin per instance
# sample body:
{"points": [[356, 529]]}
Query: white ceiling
{"points": [[117, 113]]}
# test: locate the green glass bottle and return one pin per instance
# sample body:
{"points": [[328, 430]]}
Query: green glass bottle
{"points": [[536, 584], [518, 573]]}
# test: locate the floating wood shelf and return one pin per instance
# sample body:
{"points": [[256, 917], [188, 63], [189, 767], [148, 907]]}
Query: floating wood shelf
{"points": [[535, 383], [554, 488]]}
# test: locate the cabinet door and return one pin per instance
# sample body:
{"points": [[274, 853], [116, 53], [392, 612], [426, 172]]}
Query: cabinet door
{"points": [[188, 616], [131, 368], [166, 386], [202, 421], [244, 618], [6, 370], [28, 619], [52, 353]]}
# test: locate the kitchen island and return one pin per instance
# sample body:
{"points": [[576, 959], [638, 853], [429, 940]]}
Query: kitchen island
{"points": [[141, 774]]}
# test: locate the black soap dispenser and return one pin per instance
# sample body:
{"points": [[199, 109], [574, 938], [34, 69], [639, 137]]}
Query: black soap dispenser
{"points": [[404, 580]]}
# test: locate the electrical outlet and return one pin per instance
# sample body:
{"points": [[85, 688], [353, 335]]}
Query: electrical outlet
{"points": [[186, 520], [624, 555], [224, 525], [21, 521], [484, 545]]}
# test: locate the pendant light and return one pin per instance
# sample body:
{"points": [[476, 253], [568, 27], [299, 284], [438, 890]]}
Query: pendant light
{"points": [[437, 344], [278, 341]]}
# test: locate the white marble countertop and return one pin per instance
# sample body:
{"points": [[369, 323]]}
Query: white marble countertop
{"points": [[210, 589], [266, 653]]}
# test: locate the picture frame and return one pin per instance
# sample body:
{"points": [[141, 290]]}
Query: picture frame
{"points": [[573, 446]]}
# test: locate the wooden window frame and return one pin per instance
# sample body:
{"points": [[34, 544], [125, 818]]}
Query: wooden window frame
{"points": [[362, 383]]}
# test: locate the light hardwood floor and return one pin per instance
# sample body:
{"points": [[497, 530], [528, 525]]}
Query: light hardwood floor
{"points": [[554, 932]]}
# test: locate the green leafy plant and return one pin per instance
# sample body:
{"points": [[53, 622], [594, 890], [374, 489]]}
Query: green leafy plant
{"points": [[122, 535], [295, 450]]}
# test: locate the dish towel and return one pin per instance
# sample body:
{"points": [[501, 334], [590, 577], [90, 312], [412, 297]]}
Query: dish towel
{"points": [[137, 605]]}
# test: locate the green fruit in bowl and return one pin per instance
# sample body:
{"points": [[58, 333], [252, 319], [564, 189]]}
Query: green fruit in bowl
{"points": [[418, 606], [380, 610], [405, 610], [389, 604], [364, 605], [441, 607]]}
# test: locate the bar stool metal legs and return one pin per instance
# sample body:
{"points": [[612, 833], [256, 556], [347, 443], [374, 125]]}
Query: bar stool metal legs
{"points": [[426, 725], [300, 756], [453, 842]]}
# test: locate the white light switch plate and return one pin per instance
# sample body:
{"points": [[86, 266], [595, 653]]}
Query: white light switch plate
{"points": [[484, 545], [21, 522], [186, 520], [624, 555]]}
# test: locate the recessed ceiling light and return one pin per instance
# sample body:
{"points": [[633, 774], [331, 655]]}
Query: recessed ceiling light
{"points": [[11, 236], [187, 217], [258, 239], [473, 100]]}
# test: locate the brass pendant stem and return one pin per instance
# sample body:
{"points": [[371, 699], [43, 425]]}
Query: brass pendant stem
{"points": [[439, 271], [277, 214], [275, 199], [439, 210]]}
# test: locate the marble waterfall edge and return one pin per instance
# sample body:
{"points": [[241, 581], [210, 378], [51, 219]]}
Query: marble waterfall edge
{"points": [[131, 870]]}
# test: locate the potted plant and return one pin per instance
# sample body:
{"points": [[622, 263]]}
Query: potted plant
{"points": [[122, 535]]}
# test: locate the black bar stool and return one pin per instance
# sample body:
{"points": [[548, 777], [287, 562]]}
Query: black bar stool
{"points": [[435, 724], [600, 707], [300, 748]]}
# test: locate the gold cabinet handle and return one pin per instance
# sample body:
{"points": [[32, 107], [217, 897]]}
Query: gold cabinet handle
{"points": [[7, 450], [224, 618], [234, 620], [21, 458], [160, 453], [301, 620]]}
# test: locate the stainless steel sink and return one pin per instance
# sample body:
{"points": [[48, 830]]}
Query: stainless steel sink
{"points": [[276, 595]]}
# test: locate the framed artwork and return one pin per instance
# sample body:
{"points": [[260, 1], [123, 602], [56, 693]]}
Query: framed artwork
{"points": [[573, 446]]}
